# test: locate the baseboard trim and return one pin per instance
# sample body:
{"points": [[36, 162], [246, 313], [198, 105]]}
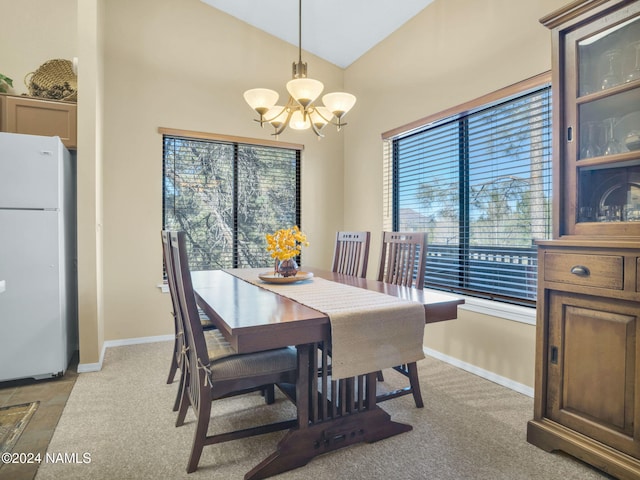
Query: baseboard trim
{"points": [[96, 367], [481, 372], [138, 340], [92, 367]]}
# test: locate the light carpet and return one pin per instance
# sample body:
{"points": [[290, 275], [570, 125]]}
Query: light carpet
{"points": [[118, 424]]}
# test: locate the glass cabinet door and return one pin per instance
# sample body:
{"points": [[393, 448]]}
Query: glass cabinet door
{"points": [[609, 58], [604, 104]]}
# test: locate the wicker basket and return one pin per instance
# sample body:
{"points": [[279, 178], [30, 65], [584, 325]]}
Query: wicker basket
{"points": [[54, 79]]}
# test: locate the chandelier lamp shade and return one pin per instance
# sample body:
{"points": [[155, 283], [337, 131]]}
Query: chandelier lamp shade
{"points": [[301, 111]]}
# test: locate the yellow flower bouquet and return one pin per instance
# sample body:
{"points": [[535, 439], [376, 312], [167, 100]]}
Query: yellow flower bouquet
{"points": [[284, 245]]}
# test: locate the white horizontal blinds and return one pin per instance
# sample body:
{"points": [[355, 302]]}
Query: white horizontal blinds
{"points": [[480, 186], [226, 196]]}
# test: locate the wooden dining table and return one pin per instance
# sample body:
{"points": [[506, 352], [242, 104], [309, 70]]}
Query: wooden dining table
{"points": [[330, 414]]}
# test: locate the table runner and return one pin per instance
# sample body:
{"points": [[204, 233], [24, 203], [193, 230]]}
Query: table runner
{"points": [[370, 331]]}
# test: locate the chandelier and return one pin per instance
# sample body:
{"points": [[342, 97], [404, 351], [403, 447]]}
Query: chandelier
{"points": [[300, 112]]}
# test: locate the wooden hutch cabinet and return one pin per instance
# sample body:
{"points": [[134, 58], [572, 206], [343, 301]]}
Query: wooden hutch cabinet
{"points": [[587, 386], [37, 116]]}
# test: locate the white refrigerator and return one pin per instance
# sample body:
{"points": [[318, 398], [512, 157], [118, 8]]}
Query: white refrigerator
{"points": [[38, 266]]}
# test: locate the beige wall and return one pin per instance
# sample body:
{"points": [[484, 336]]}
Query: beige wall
{"points": [[185, 65], [34, 31], [452, 52], [164, 63], [90, 181]]}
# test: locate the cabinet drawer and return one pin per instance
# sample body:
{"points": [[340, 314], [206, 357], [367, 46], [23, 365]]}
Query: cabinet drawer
{"points": [[603, 271]]}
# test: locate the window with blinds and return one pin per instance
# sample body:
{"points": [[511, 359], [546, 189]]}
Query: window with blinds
{"points": [[479, 184], [226, 196]]}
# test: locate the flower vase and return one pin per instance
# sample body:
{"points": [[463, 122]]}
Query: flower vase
{"points": [[287, 268]]}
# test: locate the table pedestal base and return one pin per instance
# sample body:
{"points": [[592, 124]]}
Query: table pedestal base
{"points": [[300, 445]]}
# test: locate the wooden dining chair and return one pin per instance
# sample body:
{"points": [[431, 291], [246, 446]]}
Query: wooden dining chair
{"points": [[402, 262], [178, 342], [351, 253], [217, 346], [209, 379], [216, 342], [402, 259]]}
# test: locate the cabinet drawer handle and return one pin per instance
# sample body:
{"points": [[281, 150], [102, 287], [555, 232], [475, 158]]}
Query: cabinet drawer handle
{"points": [[580, 271]]}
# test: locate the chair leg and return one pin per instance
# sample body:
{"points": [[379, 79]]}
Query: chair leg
{"points": [[415, 384], [174, 365], [176, 404], [269, 394], [184, 400], [380, 376], [199, 438]]}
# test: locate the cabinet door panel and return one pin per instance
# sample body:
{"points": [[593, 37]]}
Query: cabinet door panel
{"points": [[592, 372], [40, 117], [596, 346]]}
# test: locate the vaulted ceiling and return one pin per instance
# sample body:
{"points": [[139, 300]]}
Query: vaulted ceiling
{"points": [[339, 31]]}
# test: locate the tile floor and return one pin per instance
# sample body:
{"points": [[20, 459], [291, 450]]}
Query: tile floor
{"points": [[52, 395]]}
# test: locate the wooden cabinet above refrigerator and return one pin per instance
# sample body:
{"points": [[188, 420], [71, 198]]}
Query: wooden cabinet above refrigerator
{"points": [[36, 116]]}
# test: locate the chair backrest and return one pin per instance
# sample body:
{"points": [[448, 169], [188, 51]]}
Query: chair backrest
{"points": [[197, 358], [351, 254], [402, 259], [171, 278]]}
